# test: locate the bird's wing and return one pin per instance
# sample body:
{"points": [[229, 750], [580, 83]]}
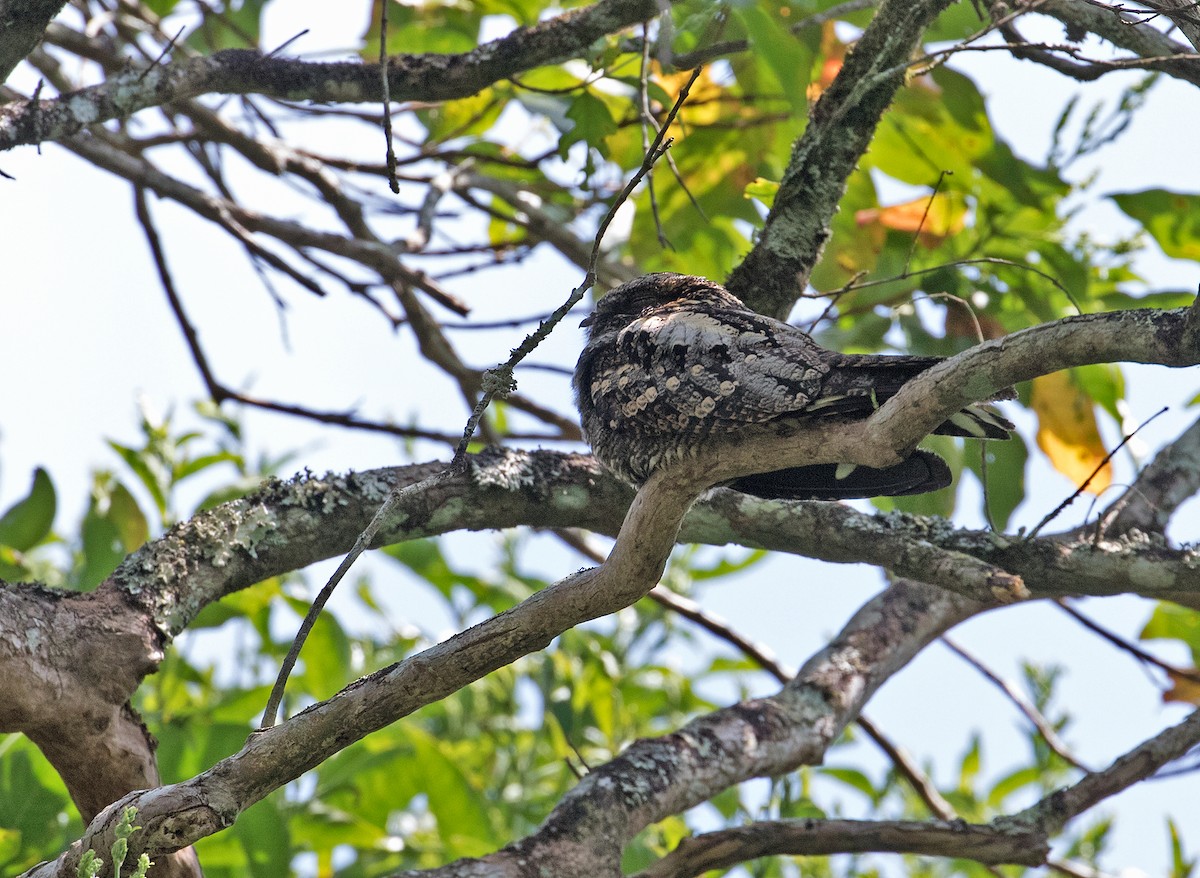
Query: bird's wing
{"points": [[712, 370]]}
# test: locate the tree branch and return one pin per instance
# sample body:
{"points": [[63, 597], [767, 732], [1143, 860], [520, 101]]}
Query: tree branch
{"points": [[1125, 32], [775, 272], [762, 737], [1018, 839], [22, 23], [429, 77], [1053, 812], [727, 848]]}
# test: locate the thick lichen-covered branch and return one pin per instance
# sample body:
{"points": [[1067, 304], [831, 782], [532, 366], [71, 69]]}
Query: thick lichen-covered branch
{"points": [[428, 77]]}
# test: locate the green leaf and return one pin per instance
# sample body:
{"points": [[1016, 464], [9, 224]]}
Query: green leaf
{"points": [[856, 780], [1104, 383], [231, 27], [454, 798], [102, 551], [1181, 866], [1173, 622], [203, 462], [161, 8], [415, 28], [37, 815], [126, 516], [968, 770], [734, 562], [957, 23], [592, 123], [1014, 782], [762, 189], [788, 58], [1171, 218], [471, 116], [147, 466], [1005, 484], [10, 845], [28, 521], [263, 834]]}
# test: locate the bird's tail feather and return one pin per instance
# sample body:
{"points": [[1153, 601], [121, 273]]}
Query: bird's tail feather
{"points": [[921, 472], [977, 422]]}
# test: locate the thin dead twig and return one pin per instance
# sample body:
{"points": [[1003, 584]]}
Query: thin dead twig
{"points": [[1023, 704]]}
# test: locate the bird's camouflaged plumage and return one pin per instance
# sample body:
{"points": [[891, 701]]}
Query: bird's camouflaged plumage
{"points": [[672, 360]]}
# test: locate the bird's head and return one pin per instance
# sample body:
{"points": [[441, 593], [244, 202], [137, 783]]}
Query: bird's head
{"points": [[617, 308]]}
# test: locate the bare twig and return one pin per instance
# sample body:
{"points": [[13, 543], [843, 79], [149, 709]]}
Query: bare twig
{"points": [[648, 119], [924, 216], [1023, 704], [142, 210], [1054, 513], [271, 711], [385, 86], [163, 54], [1126, 646], [857, 284], [921, 784]]}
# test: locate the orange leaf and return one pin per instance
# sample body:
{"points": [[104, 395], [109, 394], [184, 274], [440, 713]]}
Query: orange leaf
{"points": [[1184, 688], [935, 219], [1067, 430], [833, 52]]}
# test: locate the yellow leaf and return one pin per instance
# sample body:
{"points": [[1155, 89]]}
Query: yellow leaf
{"points": [[1185, 687], [704, 105], [1067, 430]]}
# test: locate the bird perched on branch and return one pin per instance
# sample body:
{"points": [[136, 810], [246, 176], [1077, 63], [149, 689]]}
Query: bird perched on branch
{"points": [[672, 360]]}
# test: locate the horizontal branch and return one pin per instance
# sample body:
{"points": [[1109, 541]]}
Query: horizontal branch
{"points": [[427, 77], [288, 526], [178, 815], [930, 548], [727, 848], [1151, 47]]}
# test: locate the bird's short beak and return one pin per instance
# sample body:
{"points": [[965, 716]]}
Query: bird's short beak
{"points": [[589, 320]]}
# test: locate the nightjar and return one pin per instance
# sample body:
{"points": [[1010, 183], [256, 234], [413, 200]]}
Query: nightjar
{"points": [[672, 360]]}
